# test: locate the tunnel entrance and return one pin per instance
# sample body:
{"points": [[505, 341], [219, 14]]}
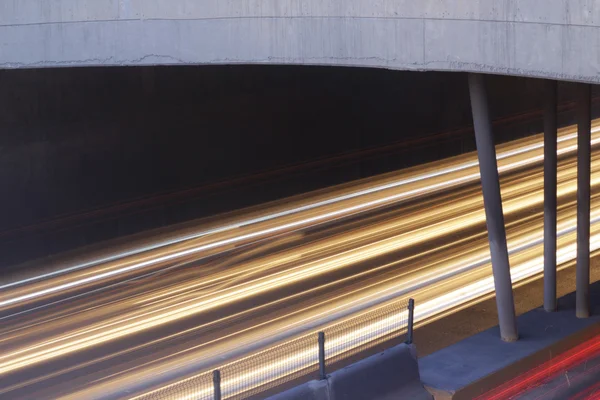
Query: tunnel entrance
{"points": [[92, 154]]}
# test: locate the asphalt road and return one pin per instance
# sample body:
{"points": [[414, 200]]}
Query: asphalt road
{"points": [[149, 317]]}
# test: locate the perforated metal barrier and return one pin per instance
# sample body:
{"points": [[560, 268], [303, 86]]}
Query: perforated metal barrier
{"points": [[295, 358]]}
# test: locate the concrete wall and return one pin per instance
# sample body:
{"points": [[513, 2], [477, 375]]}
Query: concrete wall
{"points": [[541, 38]]}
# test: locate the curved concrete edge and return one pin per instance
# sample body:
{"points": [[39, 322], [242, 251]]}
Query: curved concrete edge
{"points": [[558, 39], [392, 374]]}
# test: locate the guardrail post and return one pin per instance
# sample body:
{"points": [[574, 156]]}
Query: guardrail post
{"points": [[411, 319], [217, 384], [322, 374]]}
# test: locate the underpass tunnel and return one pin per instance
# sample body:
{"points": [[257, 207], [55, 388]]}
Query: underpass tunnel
{"points": [[95, 154]]}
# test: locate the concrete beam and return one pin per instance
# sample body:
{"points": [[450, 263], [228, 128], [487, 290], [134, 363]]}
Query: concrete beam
{"points": [[556, 39]]}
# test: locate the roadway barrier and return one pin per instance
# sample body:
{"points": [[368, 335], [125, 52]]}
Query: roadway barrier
{"points": [[308, 353], [392, 374]]}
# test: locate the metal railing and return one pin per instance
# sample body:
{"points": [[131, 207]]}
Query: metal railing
{"points": [[304, 356]]}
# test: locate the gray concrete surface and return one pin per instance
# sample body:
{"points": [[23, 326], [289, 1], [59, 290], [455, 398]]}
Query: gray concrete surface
{"points": [[540, 38], [482, 362], [391, 374], [311, 390]]}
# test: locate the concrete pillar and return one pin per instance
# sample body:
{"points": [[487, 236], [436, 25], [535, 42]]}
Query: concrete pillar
{"points": [[490, 183], [583, 200], [550, 171]]}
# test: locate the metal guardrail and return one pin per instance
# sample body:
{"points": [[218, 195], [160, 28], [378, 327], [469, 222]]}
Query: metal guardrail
{"points": [[306, 355]]}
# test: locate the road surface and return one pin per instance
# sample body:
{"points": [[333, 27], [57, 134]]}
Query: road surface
{"points": [[124, 323]]}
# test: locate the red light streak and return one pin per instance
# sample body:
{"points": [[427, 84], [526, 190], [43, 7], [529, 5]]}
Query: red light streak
{"points": [[591, 393], [545, 371]]}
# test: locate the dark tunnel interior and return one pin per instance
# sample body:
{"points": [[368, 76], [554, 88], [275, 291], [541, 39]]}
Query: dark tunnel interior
{"points": [[92, 154]]}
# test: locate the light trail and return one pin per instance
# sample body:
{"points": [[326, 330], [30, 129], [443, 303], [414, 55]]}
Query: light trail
{"points": [[342, 203], [335, 198], [235, 289], [288, 361]]}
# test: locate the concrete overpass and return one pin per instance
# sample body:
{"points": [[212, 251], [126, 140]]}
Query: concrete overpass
{"points": [[557, 39], [554, 39]]}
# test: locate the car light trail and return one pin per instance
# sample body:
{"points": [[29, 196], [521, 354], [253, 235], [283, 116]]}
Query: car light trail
{"points": [[342, 203], [287, 361], [536, 376], [230, 292]]}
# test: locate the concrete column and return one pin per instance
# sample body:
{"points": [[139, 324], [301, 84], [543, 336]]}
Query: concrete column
{"points": [[583, 200], [550, 171], [490, 183]]}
